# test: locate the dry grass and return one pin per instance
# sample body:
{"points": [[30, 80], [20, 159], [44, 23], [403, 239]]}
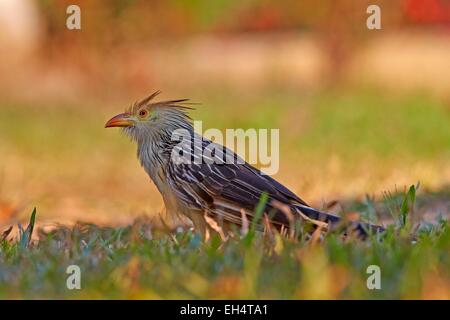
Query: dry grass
{"points": [[340, 147], [333, 146]]}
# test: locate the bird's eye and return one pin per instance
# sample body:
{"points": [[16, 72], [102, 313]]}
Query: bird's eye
{"points": [[143, 113]]}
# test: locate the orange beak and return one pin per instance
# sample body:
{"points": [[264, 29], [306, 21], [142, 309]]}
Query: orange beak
{"points": [[121, 120]]}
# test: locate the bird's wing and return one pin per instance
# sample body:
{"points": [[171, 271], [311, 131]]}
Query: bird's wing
{"points": [[225, 189], [230, 190], [221, 189]]}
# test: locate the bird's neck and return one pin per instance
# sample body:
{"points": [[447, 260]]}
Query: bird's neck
{"points": [[155, 152]]}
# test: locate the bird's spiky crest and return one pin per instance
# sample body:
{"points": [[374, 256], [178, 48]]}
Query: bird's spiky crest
{"points": [[179, 103]]}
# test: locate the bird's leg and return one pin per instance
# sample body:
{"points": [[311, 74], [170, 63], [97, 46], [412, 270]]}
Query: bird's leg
{"points": [[200, 225]]}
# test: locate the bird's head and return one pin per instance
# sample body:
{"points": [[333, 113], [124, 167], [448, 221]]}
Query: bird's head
{"points": [[146, 120]]}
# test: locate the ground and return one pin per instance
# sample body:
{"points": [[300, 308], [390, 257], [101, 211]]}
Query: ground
{"points": [[351, 151], [139, 262]]}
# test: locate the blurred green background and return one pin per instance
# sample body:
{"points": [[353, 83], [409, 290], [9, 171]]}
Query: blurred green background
{"points": [[359, 111]]}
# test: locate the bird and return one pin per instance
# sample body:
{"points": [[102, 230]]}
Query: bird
{"points": [[208, 183]]}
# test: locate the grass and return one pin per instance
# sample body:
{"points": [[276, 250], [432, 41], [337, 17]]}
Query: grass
{"points": [[139, 262], [334, 145], [342, 145]]}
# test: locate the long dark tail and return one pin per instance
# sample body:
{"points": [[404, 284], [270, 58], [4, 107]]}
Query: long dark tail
{"points": [[319, 218]]}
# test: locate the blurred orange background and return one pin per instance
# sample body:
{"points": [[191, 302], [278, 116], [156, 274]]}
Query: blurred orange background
{"points": [[360, 111]]}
